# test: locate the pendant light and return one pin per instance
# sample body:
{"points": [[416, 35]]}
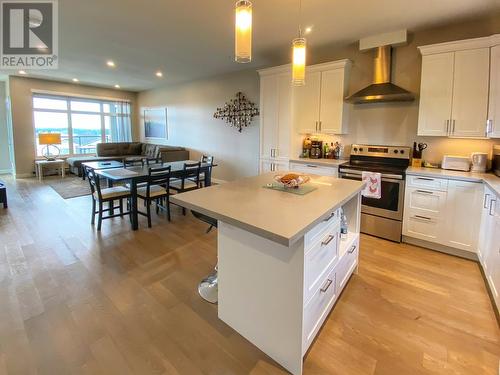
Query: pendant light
{"points": [[243, 32], [299, 56]]}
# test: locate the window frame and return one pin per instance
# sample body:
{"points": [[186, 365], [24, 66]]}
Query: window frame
{"points": [[69, 112]]}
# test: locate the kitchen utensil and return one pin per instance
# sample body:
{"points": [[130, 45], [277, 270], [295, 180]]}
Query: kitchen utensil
{"points": [[422, 146]]}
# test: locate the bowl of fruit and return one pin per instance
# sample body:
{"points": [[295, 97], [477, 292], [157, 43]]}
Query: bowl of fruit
{"points": [[291, 180]]}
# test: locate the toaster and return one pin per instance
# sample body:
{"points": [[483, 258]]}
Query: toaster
{"points": [[456, 163]]}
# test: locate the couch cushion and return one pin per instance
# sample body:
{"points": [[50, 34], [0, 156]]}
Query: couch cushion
{"points": [[108, 149], [171, 148]]}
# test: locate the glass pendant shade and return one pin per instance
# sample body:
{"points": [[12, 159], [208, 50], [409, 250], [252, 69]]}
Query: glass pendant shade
{"points": [[299, 62], [243, 32]]}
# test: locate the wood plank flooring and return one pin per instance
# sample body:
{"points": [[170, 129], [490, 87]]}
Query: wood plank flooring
{"points": [[74, 301]]}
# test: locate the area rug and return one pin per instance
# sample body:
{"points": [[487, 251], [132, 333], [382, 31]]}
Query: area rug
{"points": [[68, 187]]}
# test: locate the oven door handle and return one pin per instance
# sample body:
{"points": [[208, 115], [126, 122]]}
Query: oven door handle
{"points": [[358, 176], [358, 173]]}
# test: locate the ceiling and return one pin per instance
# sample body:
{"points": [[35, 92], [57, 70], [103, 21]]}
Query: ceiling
{"points": [[191, 39]]}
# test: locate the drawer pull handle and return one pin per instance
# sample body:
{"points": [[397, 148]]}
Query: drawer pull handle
{"points": [[485, 200], [425, 179], [425, 192], [328, 240], [330, 216], [491, 206], [422, 217], [311, 166], [351, 250], [325, 288]]}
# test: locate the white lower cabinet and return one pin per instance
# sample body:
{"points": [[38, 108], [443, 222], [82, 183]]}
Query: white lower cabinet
{"points": [[443, 211], [489, 242], [272, 165], [314, 169]]}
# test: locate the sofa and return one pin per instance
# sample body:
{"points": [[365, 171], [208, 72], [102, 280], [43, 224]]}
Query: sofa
{"points": [[128, 150]]}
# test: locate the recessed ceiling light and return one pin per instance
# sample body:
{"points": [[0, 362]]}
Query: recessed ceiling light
{"points": [[110, 63], [308, 29], [117, 86], [75, 80], [159, 74], [22, 72]]}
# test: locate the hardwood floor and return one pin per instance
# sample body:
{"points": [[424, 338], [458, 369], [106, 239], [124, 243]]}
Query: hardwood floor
{"points": [[119, 302]]}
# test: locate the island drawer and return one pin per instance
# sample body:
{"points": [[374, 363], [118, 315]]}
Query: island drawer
{"points": [[321, 229], [427, 182], [425, 202], [318, 260], [316, 311], [314, 169], [346, 265]]}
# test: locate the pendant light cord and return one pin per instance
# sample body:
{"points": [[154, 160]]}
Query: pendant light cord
{"points": [[300, 18]]}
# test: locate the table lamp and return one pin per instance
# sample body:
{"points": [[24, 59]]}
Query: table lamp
{"points": [[50, 139]]}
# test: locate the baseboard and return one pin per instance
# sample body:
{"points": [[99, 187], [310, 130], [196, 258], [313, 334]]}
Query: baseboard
{"points": [[218, 182], [490, 294], [5, 171], [24, 175], [441, 248]]}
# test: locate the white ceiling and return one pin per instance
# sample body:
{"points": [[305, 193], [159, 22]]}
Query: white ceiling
{"points": [[190, 39]]}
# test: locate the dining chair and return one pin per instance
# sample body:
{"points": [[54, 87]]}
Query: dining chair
{"points": [[210, 161], [156, 189], [190, 180], [105, 195]]}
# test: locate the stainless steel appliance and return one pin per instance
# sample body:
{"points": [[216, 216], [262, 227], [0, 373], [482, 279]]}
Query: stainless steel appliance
{"points": [[381, 217], [496, 160], [316, 149], [479, 160]]}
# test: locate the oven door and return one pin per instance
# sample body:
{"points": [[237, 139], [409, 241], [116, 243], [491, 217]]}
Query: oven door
{"points": [[390, 204]]}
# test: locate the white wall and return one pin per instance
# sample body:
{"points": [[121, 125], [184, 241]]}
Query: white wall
{"points": [[5, 163], [191, 124]]}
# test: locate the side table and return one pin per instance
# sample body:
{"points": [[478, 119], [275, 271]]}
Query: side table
{"points": [[40, 164], [3, 195]]}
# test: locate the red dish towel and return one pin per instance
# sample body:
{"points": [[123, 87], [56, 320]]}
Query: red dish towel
{"points": [[373, 188]]}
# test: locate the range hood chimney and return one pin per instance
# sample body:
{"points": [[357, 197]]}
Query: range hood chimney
{"points": [[382, 89]]}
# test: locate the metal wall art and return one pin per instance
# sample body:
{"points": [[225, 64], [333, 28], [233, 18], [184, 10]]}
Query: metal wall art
{"points": [[238, 112]]}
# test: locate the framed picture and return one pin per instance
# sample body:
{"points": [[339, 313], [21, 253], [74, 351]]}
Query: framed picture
{"points": [[155, 123]]}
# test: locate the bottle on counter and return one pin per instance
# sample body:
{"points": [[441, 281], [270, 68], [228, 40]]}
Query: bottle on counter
{"points": [[343, 225], [326, 150]]}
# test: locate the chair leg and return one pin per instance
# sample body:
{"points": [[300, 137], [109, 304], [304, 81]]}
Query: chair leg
{"points": [[92, 221], [167, 199], [121, 207], [157, 206], [148, 209], [99, 218], [111, 207], [183, 211]]}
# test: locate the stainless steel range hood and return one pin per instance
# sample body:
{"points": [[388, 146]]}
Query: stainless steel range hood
{"points": [[382, 89]]}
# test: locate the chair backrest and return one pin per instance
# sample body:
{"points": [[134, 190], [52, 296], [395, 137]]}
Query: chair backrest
{"points": [[94, 182], [158, 176], [191, 172]]}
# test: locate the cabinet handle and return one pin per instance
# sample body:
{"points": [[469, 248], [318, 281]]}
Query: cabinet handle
{"points": [[351, 250], [320, 126], [447, 127], [485, 200], [330, 216], [491, 206], [453, 131], [316, 125], [489, 126], [425, 192], [425, 179], [422, 217], [328, 240], [325, 288], [311, 166]]}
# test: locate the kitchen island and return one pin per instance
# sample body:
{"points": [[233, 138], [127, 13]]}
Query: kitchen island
{"points": [[281, 261]]}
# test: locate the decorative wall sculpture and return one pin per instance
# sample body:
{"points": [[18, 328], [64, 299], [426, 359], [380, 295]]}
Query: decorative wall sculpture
{"points": [[237, 112]]}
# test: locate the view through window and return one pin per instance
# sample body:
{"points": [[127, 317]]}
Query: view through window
{"points": [[82, 122]]}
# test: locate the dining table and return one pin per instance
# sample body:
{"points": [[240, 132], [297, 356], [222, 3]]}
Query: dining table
{"points": [[135, 175]]}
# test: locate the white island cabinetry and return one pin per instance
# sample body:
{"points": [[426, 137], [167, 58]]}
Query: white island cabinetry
{"points": [[281, 262]]}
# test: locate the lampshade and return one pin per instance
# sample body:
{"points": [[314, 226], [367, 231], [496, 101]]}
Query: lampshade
{"points": [[243, 32], [49, 138], [299, 61]]}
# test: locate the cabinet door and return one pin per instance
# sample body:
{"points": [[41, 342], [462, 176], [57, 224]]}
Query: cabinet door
{"points": [[306, 101], [284, 115], [470, 93], [332, 115], [494, 102], [268, 115], [492, 269], [485, 229], [463, 215], [436, 91]]}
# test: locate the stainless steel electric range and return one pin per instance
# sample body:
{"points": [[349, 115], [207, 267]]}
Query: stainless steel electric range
{"points": [[381, 217]]}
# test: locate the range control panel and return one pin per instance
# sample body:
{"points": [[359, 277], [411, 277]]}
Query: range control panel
{"points": [[398, 152]]}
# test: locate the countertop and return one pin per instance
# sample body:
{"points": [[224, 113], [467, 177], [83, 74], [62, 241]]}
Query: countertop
{"points": [[278, 216], [488, 178], [320, 162]]}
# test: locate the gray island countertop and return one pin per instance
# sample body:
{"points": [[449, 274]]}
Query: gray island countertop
{"points": [[278, 216]]}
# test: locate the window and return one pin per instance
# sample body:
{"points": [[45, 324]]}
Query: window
{"points": [[82, 122]]}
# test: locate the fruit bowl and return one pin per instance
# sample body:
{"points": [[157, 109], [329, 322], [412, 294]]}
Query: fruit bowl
{"points": [[291, 180]]}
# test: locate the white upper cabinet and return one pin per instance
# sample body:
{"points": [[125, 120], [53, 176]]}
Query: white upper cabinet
{"points": [[455, 94], [275, 113], [494, 102], [318, 106], [306, 102], [470, 93], [436, 92]]}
